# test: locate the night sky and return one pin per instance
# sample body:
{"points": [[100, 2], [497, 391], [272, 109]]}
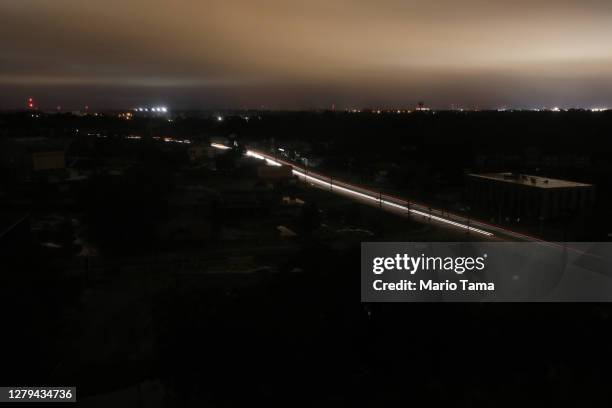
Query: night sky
{"points": [[306, 54]]}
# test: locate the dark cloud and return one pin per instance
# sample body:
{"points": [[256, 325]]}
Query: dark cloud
{"points": [[286, 53]]}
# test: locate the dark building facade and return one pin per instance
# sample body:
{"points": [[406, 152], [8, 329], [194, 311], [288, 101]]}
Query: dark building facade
{"points": [[520, 195], [22, 158]]}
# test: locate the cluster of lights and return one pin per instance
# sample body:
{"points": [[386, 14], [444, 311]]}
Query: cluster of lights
{"points": [[379, 111], [501, 109], [164, 139], [160, 109], [172, 140]]}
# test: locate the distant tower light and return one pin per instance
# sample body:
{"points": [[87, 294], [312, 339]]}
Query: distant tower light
{"points": [[30, 103]]}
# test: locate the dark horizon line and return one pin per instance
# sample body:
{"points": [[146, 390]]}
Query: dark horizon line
{"points": [[375, 110]]}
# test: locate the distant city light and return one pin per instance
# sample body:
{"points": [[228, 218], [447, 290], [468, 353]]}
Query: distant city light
{"points": [[219, 118], [556, 109], [159, 109]]}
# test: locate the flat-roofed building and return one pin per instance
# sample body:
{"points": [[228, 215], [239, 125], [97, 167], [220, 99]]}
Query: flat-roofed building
{"points": [[48, 160], [522, 195], [23, 158]]}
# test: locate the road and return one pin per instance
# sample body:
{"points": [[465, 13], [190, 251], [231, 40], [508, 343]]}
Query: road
{"points": [[392, 203]]}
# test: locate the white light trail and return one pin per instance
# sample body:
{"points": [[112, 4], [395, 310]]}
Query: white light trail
{"points": [[223, 147], [260, 157], [409, 207], [332, 187], [255, 155]]}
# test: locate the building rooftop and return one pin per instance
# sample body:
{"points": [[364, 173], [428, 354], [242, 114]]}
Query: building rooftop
{"points": [[529, 180], [36, 144]]}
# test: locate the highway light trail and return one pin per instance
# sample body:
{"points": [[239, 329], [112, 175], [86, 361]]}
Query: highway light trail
{"points": [[220, 146], [261, 157], [390, 202], [379, 200]]}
